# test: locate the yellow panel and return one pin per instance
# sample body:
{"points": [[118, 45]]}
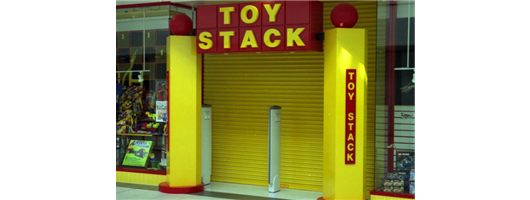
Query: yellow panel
{"points": [[184, 69], [139, 178], [344, 49], [378, 197]]}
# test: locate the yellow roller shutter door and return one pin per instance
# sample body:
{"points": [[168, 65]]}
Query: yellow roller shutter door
{"points": [[242, 86]]}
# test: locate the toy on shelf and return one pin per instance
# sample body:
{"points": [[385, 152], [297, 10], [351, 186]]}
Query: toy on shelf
{"points": [[136, 115], [161, 90], [149, 128], [150, 99], [130, 108], [147, 124], [151, 115]]}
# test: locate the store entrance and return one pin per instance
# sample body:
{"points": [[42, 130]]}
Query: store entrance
{"points": [[241, 87]]}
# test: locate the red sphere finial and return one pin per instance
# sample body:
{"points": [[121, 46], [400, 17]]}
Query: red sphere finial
{"points": [[344, 16], [180, 24]]}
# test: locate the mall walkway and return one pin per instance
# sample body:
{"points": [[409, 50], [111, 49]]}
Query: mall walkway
{"points": [[216, 190]]}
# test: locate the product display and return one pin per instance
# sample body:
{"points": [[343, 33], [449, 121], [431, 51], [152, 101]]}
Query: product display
{"points": [[140, 84], [396, 183], [137, 153], [136, 115], [161, 91], [404, 161], [412, 175], [412, 189], [412, 179], [129, 109], [161, 111]]}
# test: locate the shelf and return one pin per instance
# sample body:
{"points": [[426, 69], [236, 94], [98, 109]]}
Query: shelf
{"points": [[148, 121], [140, 170], [142, 135], [389, 194]]}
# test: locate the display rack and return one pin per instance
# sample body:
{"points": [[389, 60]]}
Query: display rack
{"points": [[150, 61], [141, 34], [137, 121]]}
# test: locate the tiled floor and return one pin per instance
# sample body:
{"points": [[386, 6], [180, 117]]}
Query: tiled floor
{"points": [[215, 190]]}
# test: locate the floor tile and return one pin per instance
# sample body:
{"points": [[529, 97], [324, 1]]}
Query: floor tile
{"points": [[217, 191]]}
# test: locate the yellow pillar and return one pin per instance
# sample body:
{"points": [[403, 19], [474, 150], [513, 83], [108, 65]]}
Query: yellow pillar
{"points": [[344, 49], [184, 85]]}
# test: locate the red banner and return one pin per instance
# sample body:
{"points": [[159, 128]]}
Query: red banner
{"points": [[351, 82], [259, 26]]}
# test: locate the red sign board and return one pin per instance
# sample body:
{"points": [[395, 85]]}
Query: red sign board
{"points": [[351, 82], [259, 26]]}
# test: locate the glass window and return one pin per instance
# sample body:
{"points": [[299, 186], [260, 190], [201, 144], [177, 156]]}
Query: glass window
{"points": [[395, 108], [141, 84]]}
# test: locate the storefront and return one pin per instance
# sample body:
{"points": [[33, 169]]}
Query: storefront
{"points": [[241, 86]]}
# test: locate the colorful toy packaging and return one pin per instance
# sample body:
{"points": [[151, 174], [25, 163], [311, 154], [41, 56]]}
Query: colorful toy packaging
{"points": [[395, 183], [161, 90], [412, 187], [150, 99], [412, 179], [130, 109], [412, 175], [136, 111]]}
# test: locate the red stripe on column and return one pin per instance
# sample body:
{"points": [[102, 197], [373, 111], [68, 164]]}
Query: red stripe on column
{"points": [[168, 104], [351, 107]]}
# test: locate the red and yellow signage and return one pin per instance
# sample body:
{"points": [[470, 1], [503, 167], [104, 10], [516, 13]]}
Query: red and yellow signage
{"points": [[351, 81], [259, 26]]}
